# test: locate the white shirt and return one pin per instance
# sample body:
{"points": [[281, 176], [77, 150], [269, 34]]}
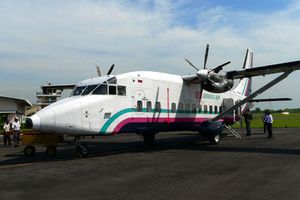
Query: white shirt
{"points": [[269, 119], [16, 126], [6, 127]]}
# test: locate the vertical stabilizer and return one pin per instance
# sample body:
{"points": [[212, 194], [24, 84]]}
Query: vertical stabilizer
{"points": [[245, 85]]}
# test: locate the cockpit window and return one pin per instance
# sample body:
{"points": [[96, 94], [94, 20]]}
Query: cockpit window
{"points": [[121, 90], [78, 90], [112, 80], [101, 89], [88, 89], [112, 89]]}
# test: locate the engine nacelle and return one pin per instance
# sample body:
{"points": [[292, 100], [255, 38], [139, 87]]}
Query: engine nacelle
{"points": [[216, 87]]}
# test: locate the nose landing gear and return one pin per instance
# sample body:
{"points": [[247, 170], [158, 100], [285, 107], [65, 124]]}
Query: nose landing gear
{"points": [[81, 149]]}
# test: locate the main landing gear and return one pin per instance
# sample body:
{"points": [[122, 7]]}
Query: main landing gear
{"points": [[148, 138]]}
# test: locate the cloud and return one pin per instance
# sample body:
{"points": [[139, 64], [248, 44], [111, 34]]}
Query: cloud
{"points": [[60, 41]]}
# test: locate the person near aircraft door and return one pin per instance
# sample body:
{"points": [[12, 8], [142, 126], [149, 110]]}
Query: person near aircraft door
{"points": [[269, 122], [16, 128], [248, 117], [6, 133]]}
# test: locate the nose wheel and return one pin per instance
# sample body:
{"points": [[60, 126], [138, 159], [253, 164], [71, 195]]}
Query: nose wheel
{"points": [[81, 149]]}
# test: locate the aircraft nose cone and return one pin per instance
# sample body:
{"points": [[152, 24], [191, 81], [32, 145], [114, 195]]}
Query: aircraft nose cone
{"points": [[36, 122]]}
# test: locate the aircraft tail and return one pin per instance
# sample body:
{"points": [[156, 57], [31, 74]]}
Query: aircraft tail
{"points": [[245, 85]]}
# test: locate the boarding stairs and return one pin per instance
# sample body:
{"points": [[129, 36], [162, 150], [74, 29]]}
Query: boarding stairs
{"points": [[231, 130]]}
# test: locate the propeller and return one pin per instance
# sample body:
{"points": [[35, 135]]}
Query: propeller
{"points": [[110, 69], [205, 56], [98, 69], [210, 77]]}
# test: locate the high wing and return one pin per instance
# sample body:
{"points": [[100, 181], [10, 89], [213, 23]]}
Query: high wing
{"points": [[255, 71], [264, 70]]}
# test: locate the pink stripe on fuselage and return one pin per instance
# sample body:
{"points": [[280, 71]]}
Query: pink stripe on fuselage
{"points": [[157, 120]]}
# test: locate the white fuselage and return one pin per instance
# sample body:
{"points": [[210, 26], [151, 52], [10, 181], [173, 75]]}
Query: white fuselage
{"points": [[152, 101]]}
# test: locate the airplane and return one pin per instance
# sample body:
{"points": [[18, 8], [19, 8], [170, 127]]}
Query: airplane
{"points": [[148, 102]]}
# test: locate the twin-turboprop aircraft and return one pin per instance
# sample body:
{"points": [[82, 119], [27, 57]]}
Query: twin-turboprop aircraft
{"points": [[146, 102]]}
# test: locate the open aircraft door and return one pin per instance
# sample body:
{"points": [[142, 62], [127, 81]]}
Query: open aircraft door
{"points": [[229, 118]]}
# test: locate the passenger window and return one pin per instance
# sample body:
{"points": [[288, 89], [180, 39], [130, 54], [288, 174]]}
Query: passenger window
{"points": [[121, 90], [180, 107], [187, 107], [157, 107], [173, 107], [194, 110], [149, 106], [220, 109], [88, 89], [205, 108], [210, 109], [216, 109], [200, 108], [112, 89], [139, 106], [102, 89]]}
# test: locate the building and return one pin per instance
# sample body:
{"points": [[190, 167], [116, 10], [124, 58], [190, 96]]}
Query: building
{"points": [[51, 93], [12, 107]]}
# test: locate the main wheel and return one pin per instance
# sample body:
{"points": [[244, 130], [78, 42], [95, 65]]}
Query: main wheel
{"points": [[29, 150], [214, 139], [51, 150], [149, 138], [82, 150]]}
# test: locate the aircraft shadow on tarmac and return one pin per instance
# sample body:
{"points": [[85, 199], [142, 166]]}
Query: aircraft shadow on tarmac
{"points": [[97, 149]]}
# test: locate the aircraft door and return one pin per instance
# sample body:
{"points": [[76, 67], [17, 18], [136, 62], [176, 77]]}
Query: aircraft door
{"points": [[228, 117], [85, 116], [139, 103]]}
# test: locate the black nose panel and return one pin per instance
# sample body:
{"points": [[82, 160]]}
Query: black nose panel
{"points": [[28, 123]]}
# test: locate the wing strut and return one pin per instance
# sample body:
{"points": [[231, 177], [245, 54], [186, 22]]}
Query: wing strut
{"points": [[253, 95]]}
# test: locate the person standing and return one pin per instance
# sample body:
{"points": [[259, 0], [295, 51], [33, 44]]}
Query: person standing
{"points": [[264, 121], [248, 117], [6, 133], [269, 122], [16, 128]]}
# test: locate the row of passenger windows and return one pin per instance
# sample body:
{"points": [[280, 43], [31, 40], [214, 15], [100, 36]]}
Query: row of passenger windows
{"points": [[181, 107], [102, 89]]}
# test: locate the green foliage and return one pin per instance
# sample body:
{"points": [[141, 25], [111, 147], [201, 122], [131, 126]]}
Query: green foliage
{"points": [[279, 120]]}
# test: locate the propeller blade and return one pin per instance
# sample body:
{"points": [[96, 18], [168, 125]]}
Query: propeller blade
{"points": [[98, 69], [191, 64], [110, 70], [220, 67], [206, 55]]}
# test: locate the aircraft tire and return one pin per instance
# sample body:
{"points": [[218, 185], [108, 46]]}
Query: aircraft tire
{"points": [[82, 150], [51, 150], [148, 138], [29, 150], [214, 139]]}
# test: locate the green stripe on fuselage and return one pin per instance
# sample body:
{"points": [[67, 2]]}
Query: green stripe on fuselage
{"points": [[144, 110]]}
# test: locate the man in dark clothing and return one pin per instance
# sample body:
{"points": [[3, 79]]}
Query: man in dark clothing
{"points": [[248, 117]]}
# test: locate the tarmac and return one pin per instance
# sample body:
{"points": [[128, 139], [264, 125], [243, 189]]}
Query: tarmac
{"points": [[180, 165]]}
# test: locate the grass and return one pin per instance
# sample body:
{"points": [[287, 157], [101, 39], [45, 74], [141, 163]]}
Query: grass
{"points": [[279, 121]]}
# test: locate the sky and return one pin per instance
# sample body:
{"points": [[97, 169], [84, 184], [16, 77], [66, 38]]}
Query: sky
{"points": [[59, 41]]}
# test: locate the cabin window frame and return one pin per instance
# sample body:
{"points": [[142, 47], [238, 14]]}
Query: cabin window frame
{"points": [[139, 106], [149, 106], [157, 106], [173, 107]]}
